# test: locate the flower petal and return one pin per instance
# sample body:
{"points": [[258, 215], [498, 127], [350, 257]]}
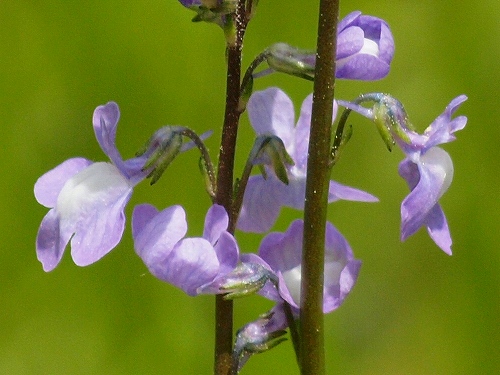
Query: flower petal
{"points": [[48, 186], [50, 241], [216, 222], [442, 128], [434, 177], [349, 42], [227, 253], [105, 120], [362, 67], [261, 204], [271, 112], [341, 269], [438, 230], [191, 264], [156, 233], [338, 191]]}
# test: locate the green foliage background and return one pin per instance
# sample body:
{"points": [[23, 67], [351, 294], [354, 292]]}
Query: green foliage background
{"points": [[414, 310]]}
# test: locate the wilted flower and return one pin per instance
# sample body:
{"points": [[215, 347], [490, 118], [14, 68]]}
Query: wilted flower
{"points": [[188, 263], [87, 199], [271, 112], [259, 336]]}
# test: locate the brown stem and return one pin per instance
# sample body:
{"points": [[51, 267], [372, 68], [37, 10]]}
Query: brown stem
{"points": [[224, 194], [312, 357]]}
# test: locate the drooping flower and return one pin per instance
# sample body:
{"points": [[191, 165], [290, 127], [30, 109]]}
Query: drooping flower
{"points": [[428, 170], [365, 47], [282, 253], [87, 199], [271, 112], [188, 263]]}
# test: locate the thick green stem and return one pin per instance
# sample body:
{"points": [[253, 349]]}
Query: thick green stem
{"points": [[224, 194], [312, 357]]}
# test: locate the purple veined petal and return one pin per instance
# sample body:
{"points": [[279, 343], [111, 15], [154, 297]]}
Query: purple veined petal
{"points": [[227, 253], [271, 112], [338, 191], [438, 230], [105, 121], [302, 132], [261, 204], [283, 253], [50, 242], [91, 205], [216, 222], [156, 233], [442, 128], [362, 67], [341, 269], [48, 186], [293, 194], [348, 20], [100, 232], [191, 264], [386, 44], [349, 42]]}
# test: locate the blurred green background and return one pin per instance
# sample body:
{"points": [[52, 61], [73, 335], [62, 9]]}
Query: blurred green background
{"points": [[414, 310]]}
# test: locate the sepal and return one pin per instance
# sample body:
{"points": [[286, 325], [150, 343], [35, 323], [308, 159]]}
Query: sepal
{"points": [[246, 279], [269, 150], [284, 58], [162, 148]]}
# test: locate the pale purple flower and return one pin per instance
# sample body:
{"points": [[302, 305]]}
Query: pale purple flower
{"points": [[271, 112], [188, 263], [87, 199], [282, 253], [428, 170], [365, 47]]}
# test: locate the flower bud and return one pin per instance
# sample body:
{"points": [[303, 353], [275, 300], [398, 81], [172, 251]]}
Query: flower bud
{"points": [[259, 336], [365, 47], [290, 60], [161, 149]]}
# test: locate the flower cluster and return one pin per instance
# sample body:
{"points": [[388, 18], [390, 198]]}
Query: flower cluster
{"points": [[86, 199]]}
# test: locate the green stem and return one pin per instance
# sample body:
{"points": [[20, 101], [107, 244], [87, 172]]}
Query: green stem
{"points": [[224, 195], [312, 357]]}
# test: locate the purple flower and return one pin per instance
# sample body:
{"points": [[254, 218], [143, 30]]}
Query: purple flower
{"points": [[271, 112], [188, 263], [87, 199], [282, 253], [365, 47], [428, 170]]}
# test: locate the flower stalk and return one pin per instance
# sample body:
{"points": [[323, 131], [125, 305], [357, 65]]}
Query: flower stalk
{"points": [[312, 357], [224, 194]]}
